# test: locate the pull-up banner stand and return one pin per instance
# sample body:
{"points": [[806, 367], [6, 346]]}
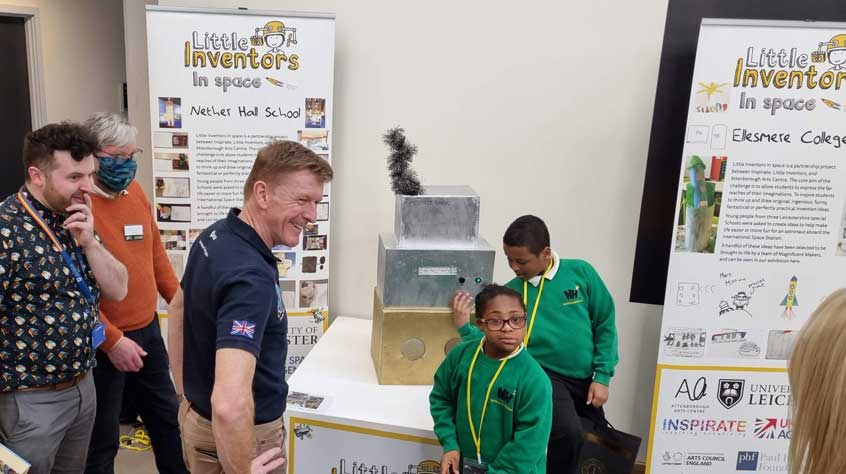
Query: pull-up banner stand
{"points": [[223, 83], [759, 239]]}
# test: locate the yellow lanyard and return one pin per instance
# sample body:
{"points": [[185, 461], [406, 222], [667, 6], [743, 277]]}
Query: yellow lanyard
{"points": [[477, 440], [537, 301]]}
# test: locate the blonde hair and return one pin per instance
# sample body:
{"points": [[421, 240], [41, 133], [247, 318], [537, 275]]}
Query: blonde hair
{"points": [[817, 372]]}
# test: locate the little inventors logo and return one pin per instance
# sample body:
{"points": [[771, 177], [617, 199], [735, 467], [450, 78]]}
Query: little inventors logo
{"points": [[241, 61], [730, 392]]}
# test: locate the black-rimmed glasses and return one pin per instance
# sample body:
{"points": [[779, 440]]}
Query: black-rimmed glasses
{"points": [[516, 322]]}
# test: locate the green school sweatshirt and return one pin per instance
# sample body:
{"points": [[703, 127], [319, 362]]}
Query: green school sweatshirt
{"points": [[574, 333], [518, 420]]}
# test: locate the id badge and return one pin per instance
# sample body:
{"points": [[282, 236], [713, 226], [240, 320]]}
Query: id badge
{"points": [[472, 467], [98, 335], [133, 232]]}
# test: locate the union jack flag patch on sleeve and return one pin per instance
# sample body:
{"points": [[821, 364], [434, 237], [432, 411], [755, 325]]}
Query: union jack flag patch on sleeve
{"points": [[243, 328]]}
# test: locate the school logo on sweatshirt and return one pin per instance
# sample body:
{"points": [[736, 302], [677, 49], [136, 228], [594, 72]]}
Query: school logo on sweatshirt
{"points": [[504, 395], [572, 296]]}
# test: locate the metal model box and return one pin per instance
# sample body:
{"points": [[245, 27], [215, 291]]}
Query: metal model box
{"points": [[443, 214], [408, 344], [435, 250], [430, 275]]}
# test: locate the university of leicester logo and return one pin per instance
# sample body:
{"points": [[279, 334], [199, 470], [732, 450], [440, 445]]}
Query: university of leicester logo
{"points": [[731, 391]]}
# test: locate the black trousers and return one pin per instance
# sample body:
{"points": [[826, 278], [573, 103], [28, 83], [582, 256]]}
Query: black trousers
{"points": [[155, 399], [569, 407]]}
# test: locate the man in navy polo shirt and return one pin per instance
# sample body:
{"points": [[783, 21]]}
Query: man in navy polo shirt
{"points": [[235, 327]]}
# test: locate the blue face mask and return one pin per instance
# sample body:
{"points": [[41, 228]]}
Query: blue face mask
{"points": [[116, 173]]}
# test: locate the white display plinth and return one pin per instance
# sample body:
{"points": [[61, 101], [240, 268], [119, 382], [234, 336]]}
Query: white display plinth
{"points": [[360, 426]]}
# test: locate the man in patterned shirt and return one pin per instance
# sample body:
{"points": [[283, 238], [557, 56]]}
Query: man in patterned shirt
{"points": [[53, 270]]}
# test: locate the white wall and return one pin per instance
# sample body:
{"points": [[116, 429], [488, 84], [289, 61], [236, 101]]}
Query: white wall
{"points": [[83, 56], [137, 74], [542, 107]]}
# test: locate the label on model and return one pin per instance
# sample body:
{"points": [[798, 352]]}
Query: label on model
{"points": [[437, 271]]}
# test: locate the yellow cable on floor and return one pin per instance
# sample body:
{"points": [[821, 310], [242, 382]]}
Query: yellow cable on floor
{"points": [[138, 441]]}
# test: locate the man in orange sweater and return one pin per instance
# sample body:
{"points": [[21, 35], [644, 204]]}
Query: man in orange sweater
{"points": [[134, 352]]}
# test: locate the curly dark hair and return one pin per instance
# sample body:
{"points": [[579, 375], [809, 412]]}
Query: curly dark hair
{"points": [[40, 144]]}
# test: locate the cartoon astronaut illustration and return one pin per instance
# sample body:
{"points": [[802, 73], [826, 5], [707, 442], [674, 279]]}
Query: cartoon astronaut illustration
{"points": [[274, 34], [836, 52]]}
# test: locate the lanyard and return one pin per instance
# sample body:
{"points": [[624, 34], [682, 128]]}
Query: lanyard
{"points": [[77, 276], [537, 301], [477, 440]]}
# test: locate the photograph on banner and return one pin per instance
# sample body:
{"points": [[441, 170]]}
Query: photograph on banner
{"points": [[315, 113], [170, 140], [174, 239], [323, 210], [289, 293], [170, 187], [316, 140], [315, 242], [193, 233], [166, 162], [314, 293], [358, 448], [699, 207], [170, 112], [287, 261], [780, 344], [314, 264], [173, 212]]}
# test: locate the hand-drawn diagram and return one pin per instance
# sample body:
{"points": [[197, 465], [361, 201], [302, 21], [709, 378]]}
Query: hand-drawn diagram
{"points": [[737, 298]]}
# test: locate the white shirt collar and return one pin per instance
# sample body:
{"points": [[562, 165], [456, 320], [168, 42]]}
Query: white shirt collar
{"points": [[535, 280], [516, 351]]}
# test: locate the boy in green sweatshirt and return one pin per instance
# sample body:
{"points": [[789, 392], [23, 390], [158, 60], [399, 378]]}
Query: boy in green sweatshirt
{"points": [[491, 401], [570, 332]]}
